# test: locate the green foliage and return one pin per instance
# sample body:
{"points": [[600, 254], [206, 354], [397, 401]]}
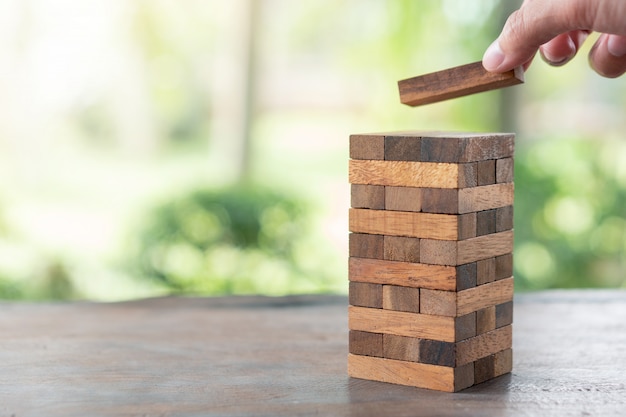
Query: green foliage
{"points": [[570, 214], [241, 239]]}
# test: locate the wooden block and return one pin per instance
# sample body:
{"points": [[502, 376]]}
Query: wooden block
{"points": [[463, 377], [504, 218], [455, 82], [400, 323], [483, 345], [367, 146], [504, 170], [404, 223], [440, 200], [403, 198], [486, 171], [483, 247], [468, 176], [403, 148], [484, 369], [438, 252], [420, 375], [404, 274], [465, 327], [366, 295], [485, 320], [407, 174], [486, 222], [504, 314], [466, 276], [365, 343], [401, 348], [466, 147], [467, 226], [483, 296], [503, 362], [485, 197], [439, 303], [363, 245], [504, 266], [403, 299], [436, 352], [485, 271], [403, 249], [367, 196]]}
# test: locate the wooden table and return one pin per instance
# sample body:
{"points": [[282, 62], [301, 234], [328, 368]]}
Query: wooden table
{"points": [[255, 356]]}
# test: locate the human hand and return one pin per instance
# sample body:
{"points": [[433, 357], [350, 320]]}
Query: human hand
{"points": [[557, 28]]}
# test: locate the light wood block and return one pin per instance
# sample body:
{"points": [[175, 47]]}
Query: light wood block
{"points": [[367, 147], [411, 174], [504, 170], [363, 245], [483, 345], [367, 196], [403, 249], [485, 320], [403, 223], [455, 82], [365, 294], [485, 197], [401, 348], [451, 252], [483, 296], [403, 299], [365, 343], [503, 363], [404, 274], [403, 199], [439, 303]]}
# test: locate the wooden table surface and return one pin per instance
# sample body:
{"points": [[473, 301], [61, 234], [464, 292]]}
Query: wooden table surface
{"points": [[255, 356]]}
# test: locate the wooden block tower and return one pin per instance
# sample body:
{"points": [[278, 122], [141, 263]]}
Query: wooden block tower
{"points": [[431, 264]]}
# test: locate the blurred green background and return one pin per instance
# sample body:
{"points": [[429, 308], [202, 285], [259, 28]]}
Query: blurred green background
{"points": [[150, 147]]}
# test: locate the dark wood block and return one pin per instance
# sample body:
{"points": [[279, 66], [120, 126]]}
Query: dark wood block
{"points": [[365, 343], [438, 252], [504, 218], [403, 198], [367, 147], [467, 226], [504, 266], [465, 326], [466, 276], [367, 196], [486, 271], [438, 303], [403, 249], [468, 175], [504, 314], [403, 148], [466, 147], [485, 222], [455, 82], [401, 348], [485, 320], [484, 369], [486, 172], [435, 352], [463, 376], [504, 170], [401, 298], [362, 245], [366, 295], [439, 200]]}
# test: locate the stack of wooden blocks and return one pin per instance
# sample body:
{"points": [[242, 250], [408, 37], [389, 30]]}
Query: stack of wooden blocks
{"points": [[431, 264]]}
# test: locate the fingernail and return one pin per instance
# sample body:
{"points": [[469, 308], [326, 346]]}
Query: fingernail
{"points": [[616, 45], [493, 57]]}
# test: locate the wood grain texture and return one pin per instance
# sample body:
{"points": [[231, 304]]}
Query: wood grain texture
{"points": [[401, 348], [440, 378], [438, 252], [504, 314], [466, 276], [467, 226], [400, 323], [402, 249], [483, 345], [399, 298], [485, 222], [465, 327], [362, 245], [437, 302], [486, 172], [440, 200], [367, 146], [485, 197], [365, 343], [436, 352], [486, 271], [504, 170], [486, 320], [467, 147], [365, 294], [504, 218], [503, 362], [367, 196], [504, 266], [402, 273], [484, 369], [402, 223], [403, 148], [484, 247], [403, 173], [455, 82], [483, 296], [463, 377], [403, 198]]}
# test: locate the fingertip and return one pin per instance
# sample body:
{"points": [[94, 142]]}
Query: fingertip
{"points": [[493, 57]]}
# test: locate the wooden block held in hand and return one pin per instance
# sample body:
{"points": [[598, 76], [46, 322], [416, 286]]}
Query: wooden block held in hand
{"points": [[455, 82]]}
